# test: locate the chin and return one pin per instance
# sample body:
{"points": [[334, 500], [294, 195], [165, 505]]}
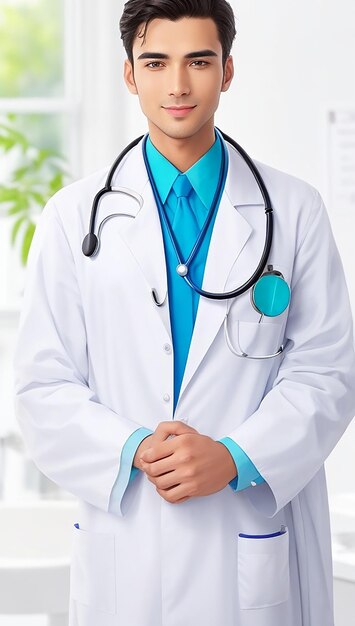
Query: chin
{"points": [[175, 130], [180, 127]]}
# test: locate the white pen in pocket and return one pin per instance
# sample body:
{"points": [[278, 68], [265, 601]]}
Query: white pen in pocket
{"points": [[275, 534]]}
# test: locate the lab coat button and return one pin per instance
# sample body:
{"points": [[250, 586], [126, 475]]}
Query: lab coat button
{"points": [[167, 348], [166, 397]]}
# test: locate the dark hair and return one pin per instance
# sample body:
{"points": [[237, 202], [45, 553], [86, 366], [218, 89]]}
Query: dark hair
{"points": [[137, 12]]}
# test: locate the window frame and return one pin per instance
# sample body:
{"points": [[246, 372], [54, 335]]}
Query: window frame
{"points": [[70, 103]]}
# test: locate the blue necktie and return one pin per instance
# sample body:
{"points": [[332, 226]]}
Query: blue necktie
{"points": [[185, 225], [186, 230]]}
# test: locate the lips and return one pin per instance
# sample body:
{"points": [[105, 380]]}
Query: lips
{"points": [[179, 111], [180, 108]]}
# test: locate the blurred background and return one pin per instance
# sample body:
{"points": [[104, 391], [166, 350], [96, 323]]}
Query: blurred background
{"points": [[65, 111]]}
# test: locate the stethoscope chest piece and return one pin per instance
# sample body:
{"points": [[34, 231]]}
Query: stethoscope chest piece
{"points": [[271, 294], [182, 269]]}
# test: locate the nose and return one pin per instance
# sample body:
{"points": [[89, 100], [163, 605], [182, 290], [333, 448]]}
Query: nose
{"points": [[179, 83]]}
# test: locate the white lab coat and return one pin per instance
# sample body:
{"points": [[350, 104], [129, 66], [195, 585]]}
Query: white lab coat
{"points": [[94, 362]]}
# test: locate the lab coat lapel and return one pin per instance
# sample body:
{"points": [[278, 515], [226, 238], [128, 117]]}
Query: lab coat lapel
{"points": [[144, 236], [229, 235], [231, 232]]}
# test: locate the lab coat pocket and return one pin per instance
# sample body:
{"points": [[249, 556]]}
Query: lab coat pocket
{"points": [[92, 571], [263, 570], [256, 339]]}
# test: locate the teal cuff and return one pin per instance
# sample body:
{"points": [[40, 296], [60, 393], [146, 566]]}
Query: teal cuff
{"points": [[247, 472], [126, 471]]}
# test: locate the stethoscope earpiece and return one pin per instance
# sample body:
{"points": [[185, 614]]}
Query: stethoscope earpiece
{"points": [[155, 297]]}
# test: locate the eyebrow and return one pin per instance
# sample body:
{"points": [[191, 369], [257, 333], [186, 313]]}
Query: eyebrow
{"points": [[189, 55]]}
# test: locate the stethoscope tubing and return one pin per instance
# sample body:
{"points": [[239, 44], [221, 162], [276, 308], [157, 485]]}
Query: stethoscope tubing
{"points": [[90, 242], [193, 253]]}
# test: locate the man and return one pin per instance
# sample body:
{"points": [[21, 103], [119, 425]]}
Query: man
{"points": [[199, 473]]}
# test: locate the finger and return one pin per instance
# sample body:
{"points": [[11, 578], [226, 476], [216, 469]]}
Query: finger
{"points": [[170, 429], [174, 494], [173, 427], [166, 447], [159, 467], [165, 482], [155, 453]]}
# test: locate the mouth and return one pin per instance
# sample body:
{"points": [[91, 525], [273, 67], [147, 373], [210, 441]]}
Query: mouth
{"points": [[179, 111]]}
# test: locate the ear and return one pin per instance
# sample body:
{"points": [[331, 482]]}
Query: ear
{"points": [[228, 73], [129, 77]]}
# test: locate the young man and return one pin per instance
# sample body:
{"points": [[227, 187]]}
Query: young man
{"points": [[195, 442]]}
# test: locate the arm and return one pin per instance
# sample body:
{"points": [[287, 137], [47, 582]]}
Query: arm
{"points": [[74, 439], [312, 400]]}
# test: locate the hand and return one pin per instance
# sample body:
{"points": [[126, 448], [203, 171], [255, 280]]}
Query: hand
{"points": [[162, 432], [187, 466]]}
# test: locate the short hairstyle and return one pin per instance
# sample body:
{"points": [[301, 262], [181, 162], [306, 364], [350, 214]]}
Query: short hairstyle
{"points": [[137, 12]]}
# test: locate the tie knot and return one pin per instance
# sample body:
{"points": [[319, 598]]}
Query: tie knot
{"points": [[182, 186]]}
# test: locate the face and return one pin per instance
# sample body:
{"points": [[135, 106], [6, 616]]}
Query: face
{"points": [[166, 78]]}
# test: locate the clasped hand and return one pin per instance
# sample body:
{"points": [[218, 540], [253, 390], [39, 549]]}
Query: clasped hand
{"points": [[188, 464]]}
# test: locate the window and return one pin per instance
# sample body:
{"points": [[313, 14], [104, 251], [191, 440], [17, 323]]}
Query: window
{"points": [[39, 70], [40, 58]]}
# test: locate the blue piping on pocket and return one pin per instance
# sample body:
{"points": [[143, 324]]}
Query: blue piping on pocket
{"points": [[280, 532]]}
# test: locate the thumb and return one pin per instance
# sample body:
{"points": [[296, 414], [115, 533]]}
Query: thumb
{"points": [[173, 427]]}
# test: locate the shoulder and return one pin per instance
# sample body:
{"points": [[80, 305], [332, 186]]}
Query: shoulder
{"points": [[296, 201], [79, 192], [76, 199], [296, 204], [290, 195], [285, 185]]}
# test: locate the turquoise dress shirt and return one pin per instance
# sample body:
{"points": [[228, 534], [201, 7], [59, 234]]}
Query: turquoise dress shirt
{"points": [[203, 176]]}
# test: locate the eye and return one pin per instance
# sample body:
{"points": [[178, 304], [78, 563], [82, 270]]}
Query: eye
{"points": [[153, 63], [205, 62]]}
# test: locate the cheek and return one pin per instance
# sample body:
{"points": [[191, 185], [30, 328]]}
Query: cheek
{"points": [[148, 95], [207, 87], [147, 86], [209, 100]]}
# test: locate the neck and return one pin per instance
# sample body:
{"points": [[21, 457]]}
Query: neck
{"points": [[183, 152]]}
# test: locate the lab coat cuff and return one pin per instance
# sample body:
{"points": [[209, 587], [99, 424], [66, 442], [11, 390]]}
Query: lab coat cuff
{"points": [[248, 475], [126, 471]]}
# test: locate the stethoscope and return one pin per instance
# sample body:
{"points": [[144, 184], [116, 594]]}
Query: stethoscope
{"points": [[270, 293]]}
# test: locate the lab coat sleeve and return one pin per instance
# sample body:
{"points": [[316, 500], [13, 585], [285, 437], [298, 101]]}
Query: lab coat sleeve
{"points": [[247, 472], [312, 398], [74, 439]]}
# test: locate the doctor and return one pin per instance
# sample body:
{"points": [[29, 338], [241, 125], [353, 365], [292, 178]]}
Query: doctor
{"points": [[199, 471]]}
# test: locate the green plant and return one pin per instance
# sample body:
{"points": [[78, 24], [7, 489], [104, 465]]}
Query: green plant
{"points": [[35, 175]]}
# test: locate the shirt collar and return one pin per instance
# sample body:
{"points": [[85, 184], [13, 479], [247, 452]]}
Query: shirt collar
{"points": [[203, 175]]}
